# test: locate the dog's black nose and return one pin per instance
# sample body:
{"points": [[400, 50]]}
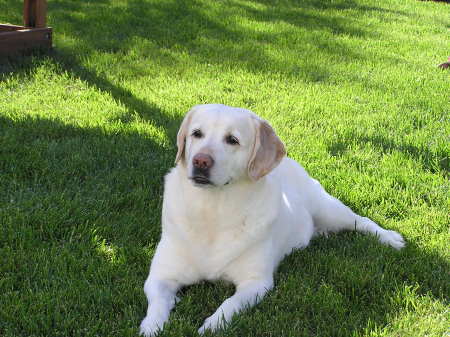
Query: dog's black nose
{"points": [[203, 161]]}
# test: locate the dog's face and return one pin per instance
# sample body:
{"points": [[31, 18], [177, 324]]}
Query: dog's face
{"points": [[220, 145]]}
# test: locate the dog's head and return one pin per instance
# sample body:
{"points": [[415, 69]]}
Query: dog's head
{"points": [[220, 145]]}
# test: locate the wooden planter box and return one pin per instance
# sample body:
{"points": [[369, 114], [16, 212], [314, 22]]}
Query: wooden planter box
{"points": [[32, 35]]}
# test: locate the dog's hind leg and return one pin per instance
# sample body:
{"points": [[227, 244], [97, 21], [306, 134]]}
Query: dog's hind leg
{"points": [[331, 215]]}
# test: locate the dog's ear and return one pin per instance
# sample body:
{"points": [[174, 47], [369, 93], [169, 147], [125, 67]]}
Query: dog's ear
{"points": [[267, 153], [182, 133]]}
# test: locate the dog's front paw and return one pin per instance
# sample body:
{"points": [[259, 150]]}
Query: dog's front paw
{"points": [[149, 327], [212, 323], [392, 239]]}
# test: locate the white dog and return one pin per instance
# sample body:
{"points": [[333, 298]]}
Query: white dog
{"points": [[233, 207]]}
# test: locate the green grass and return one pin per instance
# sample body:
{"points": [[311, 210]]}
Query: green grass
{"points": [[88, 132]]}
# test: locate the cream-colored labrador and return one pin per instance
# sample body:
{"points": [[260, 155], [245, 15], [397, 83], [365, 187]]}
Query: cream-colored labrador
{"points": [[234, 206]]}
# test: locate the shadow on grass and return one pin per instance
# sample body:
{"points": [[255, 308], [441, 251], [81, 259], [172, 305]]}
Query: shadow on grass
{"points": [[78, 208], [434, 162], [89, 174]]}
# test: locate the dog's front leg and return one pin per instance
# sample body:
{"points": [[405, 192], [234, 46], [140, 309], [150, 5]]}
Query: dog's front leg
{"points": [[161, 296], [248, 293]]}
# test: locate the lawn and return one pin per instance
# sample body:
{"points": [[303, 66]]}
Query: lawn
{"points": [[88, 131]]}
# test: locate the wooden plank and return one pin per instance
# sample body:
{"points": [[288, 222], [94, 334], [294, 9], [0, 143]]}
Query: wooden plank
{"points": [[34, 13], [21, 40], [9, 28]]}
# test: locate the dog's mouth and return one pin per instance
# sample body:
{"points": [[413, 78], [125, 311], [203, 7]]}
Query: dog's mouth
{"points": [[200, 180]]}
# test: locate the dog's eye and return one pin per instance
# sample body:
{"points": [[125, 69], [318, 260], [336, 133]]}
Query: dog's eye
{"points": [[232, 140], [197, 133]]}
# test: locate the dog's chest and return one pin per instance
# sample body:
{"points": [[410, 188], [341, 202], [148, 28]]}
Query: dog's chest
{"points": [[213, 237], [213, 229]]}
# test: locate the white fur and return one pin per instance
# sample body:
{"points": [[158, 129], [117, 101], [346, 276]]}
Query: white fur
{"points": [[238, 229]]}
